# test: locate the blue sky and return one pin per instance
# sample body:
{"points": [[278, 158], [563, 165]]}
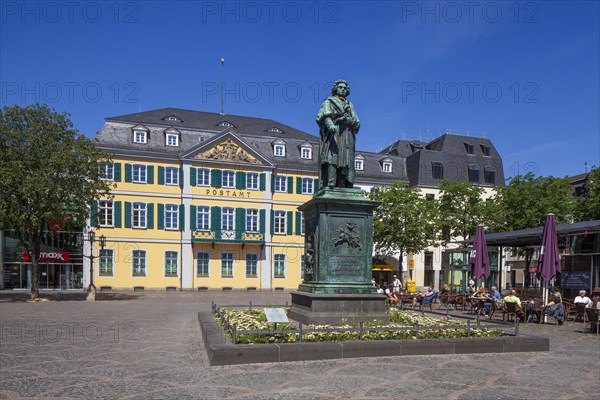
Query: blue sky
{"points": [[525, 74]]}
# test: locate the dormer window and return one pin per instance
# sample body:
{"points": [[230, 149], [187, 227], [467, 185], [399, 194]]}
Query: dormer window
{"points": [[274, 130], [470, 148], [414, 148], [140, 136], [486, 150], [172, 118], [359, 165], [226, 124], [279, 150], [387, 166], [306, 153], [473, 172], [437, 170], [172, 139]]}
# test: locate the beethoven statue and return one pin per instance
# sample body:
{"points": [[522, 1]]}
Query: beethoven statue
{"points": [[338, 125]]}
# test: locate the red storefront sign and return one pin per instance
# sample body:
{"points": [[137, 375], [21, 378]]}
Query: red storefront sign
{"points": [[49, 256], [533, 270]]}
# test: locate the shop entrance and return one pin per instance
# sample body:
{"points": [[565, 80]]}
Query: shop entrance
{"points": [[51, 276]]}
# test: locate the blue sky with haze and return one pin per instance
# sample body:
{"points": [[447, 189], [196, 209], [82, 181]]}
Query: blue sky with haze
{"points": [[525, 74]]}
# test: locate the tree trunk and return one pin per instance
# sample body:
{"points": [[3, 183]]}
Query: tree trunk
{"points": [[35, 241]]}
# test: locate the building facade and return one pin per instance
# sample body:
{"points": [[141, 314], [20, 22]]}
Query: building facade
{"points": [[209, 201]]}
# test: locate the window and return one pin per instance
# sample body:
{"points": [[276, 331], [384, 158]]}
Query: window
{"points": [[280, 183], [301, 223], [470, 148], [279, 222], [172, 139], [473, 172], [227, 219], [252, 181], [430, 196], [203, 177], [139, 263], [485, 150], [139, 173], [228, 180], [438, 170], [172, 176], [307, 186], [428, 260], [251, 265], [279, 266], [139, 215], [359, 165], [105, 213], [387, 167], [106, 262], [171, 263], [306, 153], [107, 172], [279, 150], [140, 136], [171, 216], [227, 265], [489, 175], [225, 123], [202, 264], [251, 220], [275, 130], [172, 118], [203, 218]]}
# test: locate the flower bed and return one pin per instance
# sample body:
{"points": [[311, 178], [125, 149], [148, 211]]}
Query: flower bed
{"points": [[403, 325]]}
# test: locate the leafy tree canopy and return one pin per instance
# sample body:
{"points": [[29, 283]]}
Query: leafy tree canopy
{"points": [[588, 203], [47, 170]]}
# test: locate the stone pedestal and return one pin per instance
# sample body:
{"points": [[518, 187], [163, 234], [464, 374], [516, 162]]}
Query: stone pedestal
{"points": [[338, 260]]}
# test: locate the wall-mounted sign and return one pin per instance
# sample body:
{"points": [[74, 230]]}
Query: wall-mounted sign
{"points": [[49, 256]]}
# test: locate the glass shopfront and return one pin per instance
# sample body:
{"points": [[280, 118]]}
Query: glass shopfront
{"points": [[51, 275], [455, 270]]}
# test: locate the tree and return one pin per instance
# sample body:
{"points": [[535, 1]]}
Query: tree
{"points": [[402, 223], [48, 171], [460, 209], [587, 205], [526, 200]]}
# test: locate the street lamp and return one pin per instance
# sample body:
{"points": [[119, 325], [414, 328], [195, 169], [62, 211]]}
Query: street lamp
{"points": [[91, 237]]}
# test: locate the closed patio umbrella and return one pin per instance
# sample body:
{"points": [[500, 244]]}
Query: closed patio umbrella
{"points": [[479, 262], [549, 261]]}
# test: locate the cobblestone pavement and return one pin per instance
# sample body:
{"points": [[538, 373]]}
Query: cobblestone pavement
{"points": [[148, 346]]}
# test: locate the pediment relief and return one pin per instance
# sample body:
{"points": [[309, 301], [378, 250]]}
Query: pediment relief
{"points": [[228, 151]]}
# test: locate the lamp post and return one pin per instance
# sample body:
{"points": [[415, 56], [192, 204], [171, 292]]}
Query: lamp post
{"points": [[91, 237]]}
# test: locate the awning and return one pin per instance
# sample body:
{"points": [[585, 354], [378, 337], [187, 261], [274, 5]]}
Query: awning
{"points": [[382, 267]]}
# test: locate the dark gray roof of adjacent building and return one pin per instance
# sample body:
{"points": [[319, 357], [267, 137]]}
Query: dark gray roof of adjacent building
{"points": [[200, 120], [450, 150]]}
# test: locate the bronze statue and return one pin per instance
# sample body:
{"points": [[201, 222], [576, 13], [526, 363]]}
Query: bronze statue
{"points": [[338, 125]]}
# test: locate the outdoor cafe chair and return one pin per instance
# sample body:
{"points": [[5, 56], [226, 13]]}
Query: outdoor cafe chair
{"points": [[510, 309], [580, 309], [591, 318]]}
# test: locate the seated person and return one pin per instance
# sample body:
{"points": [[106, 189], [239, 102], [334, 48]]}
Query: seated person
{"points": [[512, 298], [582, 298], [555, 308], [492, 297], [379, 289], [426, 297]]}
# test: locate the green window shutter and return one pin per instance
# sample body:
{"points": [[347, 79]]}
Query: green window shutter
{"points": [[240, 178], [150, 174], [261, 222], [181, 216], [290, 222], [315, 186], [215, 178], [180, 177], [117, 172], [193, 179], [290, 184], [128, 173], [215, 218], [161, 175], [127, 214], [240, 216], [160, 222], [298, 185], [272, 222], [298, 223], [117, 216], [273, 183], [94, 213], [193, 218], [262, 182], [150, 216]]}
